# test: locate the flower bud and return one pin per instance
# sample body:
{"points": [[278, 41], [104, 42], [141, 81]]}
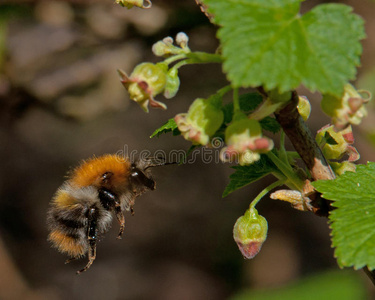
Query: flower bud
{"points": [[304, 107], [160, 48], [172, 84], [250, 232], [245, 142], [146, 81], [202, 120], [345, 110], [165, 48], [335, 144], [182, 39], [130, 3]]}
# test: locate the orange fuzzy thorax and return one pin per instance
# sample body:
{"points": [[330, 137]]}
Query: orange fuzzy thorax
{"points": [[91, 171]]}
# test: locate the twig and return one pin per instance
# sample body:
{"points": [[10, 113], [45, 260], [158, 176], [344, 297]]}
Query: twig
{"points": [[304, 143]]}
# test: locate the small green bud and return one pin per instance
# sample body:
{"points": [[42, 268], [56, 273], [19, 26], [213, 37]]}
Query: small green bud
{"points": [[130, 3], [304, 107], [245, 142], [182, 39], [173, 83], [250, 232], [202, 120], [160, 48], [165, 47], [146, 81]]}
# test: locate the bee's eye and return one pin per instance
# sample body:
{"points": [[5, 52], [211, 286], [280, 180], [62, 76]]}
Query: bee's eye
{"points": [[139, 177]]}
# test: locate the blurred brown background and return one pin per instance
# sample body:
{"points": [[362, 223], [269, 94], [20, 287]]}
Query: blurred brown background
{"points": [[61, 102]]}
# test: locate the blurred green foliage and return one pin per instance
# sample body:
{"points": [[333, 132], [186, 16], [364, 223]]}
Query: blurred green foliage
{"points": [[325, 286]]}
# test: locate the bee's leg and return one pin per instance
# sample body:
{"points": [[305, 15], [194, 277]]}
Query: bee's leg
{"points": [[120, 218], [109, 201], [132, 201], [70, 259], [92, 256], [92, 233]]}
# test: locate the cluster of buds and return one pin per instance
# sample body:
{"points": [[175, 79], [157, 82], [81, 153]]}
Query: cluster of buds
{"points": [[336, 144], [349, 109], [148, 80], [165, 47], [138, 3], [202, 120], [245, 142], [250, 232]]}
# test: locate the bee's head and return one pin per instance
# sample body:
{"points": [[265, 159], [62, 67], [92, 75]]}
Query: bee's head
{"points": [[141, 171]]}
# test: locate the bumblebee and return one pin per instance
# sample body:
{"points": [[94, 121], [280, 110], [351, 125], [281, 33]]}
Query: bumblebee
{"points": [[82, 208]]}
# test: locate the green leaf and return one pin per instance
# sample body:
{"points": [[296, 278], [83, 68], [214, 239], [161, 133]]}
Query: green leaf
{"points": [[248, 103], [325, 286], [270, 124], [268, 43], [353, 221], [245, 175], [167, 127]]}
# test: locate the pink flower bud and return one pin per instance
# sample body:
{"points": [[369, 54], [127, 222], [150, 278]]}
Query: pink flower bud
{"points": [[146, 81], [335, 144], [245, 142], [347, 109], [250, 232], [202, 120]]}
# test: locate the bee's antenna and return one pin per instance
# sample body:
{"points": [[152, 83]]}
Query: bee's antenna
{"points": [[161, 164]]}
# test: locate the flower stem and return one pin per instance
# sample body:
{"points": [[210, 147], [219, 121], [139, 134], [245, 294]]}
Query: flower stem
{"points": [[224, 90], [203, 57], [174, 58], [265, 109], [282, 152], [180, 64], [287, 170], [217, 99], [265, 191], [236, 102], [193, 58]]}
